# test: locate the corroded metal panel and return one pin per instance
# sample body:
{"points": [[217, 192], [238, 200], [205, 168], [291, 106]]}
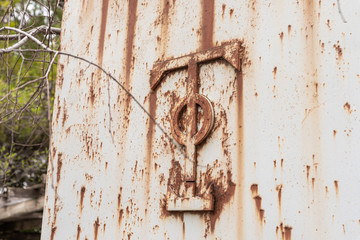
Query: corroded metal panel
{"points": [[273, 84]]}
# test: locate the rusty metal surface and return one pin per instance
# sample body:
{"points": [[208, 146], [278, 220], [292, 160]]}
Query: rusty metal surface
{"points": [[280, 79]]}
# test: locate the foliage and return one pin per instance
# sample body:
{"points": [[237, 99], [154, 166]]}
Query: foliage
{"points": [[24, 121]]}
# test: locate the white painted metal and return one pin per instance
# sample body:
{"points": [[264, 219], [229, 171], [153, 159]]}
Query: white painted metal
{"points": [[282, 158]]}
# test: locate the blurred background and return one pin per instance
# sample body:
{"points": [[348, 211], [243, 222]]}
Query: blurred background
{"points": [[27, 83]]}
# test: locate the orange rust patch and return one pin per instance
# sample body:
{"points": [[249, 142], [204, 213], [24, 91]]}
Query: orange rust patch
{"points": [[334, 133], [279, 190], [92, 91], [231, 12], [254, 189], [288, 232], [104, 12], [65, 115], [274, 72], [281, 36], [336, 183], [258, 200], [59, 165], [207, 24], [347, 107], [221, 197], [307, 172], [223, 11], [120, 211], [60, 78], [150, 135], [53, 230], [131, 23], [82, 193], [289, 29], [78, 232], [313, 182], [259, 210], [96, 228], [338, 50]]}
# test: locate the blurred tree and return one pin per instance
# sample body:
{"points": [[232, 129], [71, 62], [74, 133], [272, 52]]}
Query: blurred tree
{"points": [[27, 80]]}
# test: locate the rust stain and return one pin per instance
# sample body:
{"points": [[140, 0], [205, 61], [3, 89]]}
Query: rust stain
{"points": [[289, 29], [59, 165], [131, 27], [240, 139], [336, 184], [258, 202], [207, 24], [60, 78], [58, 108], [274, 72], [307, 172], [92, 91], [223, 10], [104, 13], [150, 137], [338, 51], [287, 233], [65, 115], [176, 178], [334, 133], [328, 23], [96, 228], [222, 196], [312, 183], [231, 12], [53, 230], [254, 189], [120, 211], [164, 27], [78, 232], [279, 190], [282, 163], [262, 214], [281, 35], [82, 193], [259, 210], [347, 107]]}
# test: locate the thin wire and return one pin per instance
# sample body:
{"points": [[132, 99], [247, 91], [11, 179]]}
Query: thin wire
{"points": [[340, 12]]}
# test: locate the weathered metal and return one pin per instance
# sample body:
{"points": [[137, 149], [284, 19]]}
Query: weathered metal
{"points": [[281, 160], [186, 199]]}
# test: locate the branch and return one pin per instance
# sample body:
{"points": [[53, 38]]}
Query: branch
{"points": [[28, 36], [41, 29]]}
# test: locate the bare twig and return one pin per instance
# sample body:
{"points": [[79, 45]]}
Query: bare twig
{"points": [[48, 91], [25, 39]]}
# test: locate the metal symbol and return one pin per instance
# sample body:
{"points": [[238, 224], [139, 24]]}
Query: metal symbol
{"points": [[192, 137]]}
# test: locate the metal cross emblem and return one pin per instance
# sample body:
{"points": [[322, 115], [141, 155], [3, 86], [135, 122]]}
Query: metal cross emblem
{"points": [[191, 137]]}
